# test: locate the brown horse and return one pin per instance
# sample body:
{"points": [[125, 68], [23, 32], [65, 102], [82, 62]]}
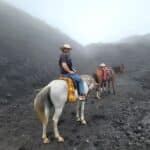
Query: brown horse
{"points": [[119, 69], [101, 84]]}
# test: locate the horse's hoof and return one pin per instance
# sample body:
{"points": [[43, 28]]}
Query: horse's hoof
{"points": [[78, 119], [46, 141], [60, 139], [83, 122], [98, 97]]}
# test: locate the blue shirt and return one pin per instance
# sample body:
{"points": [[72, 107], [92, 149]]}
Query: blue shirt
{"points": [[65, 58]]}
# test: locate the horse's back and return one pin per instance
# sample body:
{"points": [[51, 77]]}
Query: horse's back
{"points": [[55, 85], [59, 91], [58, 84]]}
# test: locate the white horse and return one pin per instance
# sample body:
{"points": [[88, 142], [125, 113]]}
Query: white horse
{"points": [[55, 94]]}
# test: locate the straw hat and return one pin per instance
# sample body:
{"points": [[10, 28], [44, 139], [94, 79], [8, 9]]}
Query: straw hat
{"points": [[66, 46], [102, 65]]}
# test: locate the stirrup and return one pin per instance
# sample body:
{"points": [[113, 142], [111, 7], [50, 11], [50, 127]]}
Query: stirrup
{"points": [[82, 98]]}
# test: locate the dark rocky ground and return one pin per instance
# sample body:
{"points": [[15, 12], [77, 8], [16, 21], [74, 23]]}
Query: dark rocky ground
{"points": [[29, 50], [118, 122]]}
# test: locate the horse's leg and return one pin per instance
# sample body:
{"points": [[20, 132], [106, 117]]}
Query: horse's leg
{"points": [[45, 123], [77, 110], [105, 86], [98, 92], [83, 121], [56, 117], [109, 87], [113, 86], [102, 88]]}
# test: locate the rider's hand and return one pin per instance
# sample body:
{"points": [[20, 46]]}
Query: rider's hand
{"points": [[74, 70], [71, 72]]}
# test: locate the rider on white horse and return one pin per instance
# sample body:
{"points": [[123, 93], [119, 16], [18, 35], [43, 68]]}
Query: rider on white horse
{"points": [[55, 94], [67, 70]]}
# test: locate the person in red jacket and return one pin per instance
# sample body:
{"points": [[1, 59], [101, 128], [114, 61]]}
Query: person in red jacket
{"points": [[104, 76]]}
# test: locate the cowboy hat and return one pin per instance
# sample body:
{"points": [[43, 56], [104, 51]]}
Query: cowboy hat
{"points": [[66, 46], [102, 65]]}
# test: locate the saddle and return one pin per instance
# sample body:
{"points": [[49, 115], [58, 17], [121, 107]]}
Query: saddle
{"points": [[107, 75], [71, 88]]}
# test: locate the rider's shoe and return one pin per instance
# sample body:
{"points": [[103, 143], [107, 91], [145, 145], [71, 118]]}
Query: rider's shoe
{"points": [[82, 98]]}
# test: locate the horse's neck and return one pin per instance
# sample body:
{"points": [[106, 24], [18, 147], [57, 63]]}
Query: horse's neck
{"points": [[86, 89], [86, 79]]}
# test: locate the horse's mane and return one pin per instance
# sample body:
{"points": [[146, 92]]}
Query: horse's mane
{"points": [[87, 78]]}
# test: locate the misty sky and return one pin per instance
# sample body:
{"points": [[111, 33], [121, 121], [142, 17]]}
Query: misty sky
{"points": [[89, 21]]}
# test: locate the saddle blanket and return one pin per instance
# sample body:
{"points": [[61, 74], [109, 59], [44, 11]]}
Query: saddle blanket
{"points": [[71, 89]]}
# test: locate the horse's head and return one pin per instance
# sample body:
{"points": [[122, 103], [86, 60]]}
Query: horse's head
{"points": [[90, 81]]}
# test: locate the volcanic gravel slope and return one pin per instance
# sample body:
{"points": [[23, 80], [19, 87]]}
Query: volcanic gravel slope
{"points": [[117, 122]]}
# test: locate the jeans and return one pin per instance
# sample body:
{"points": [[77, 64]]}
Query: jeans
{"points": [[78, 81]]}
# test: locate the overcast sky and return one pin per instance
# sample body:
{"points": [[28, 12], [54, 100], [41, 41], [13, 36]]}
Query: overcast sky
{"points": [[89, 21]]}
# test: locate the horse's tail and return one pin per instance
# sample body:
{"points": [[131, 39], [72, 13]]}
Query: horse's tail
{"points": [[42, 103]]}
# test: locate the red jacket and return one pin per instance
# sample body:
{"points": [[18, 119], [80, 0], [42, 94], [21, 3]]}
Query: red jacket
{"points": [[105, 72]]}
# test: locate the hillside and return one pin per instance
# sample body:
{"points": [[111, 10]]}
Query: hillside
{"points": [[134, 52], [29, 50]]}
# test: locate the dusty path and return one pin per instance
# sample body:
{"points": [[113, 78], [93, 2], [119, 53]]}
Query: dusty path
{"points": [[118, 122]]}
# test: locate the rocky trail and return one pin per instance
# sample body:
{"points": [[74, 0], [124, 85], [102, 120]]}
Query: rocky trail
{"points": [[117, 122]]}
